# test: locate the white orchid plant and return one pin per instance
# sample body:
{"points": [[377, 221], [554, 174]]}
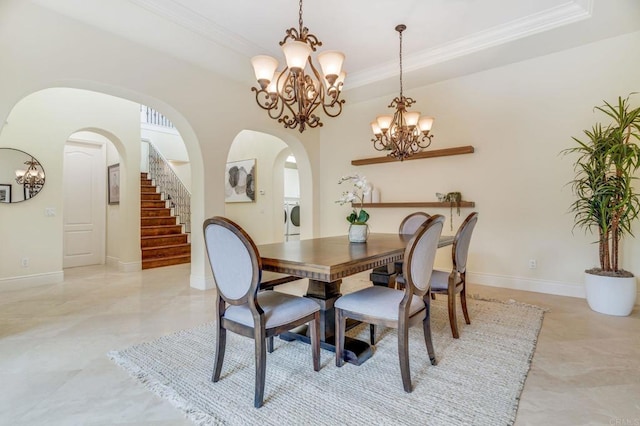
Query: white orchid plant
{"points": [[355, 195]]}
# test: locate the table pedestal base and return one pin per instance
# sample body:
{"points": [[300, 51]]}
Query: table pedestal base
{"points": [[355, 351], [325, 294]]}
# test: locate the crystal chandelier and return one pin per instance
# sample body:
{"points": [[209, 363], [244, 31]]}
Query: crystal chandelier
{"points": [[404, 133], [32, 178], [292, 96]]}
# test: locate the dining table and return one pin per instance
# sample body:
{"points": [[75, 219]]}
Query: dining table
{"points": [[325, 261]]}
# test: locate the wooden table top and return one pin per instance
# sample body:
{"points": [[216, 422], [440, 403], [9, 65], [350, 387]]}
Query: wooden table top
{"points": [[331, 258]]}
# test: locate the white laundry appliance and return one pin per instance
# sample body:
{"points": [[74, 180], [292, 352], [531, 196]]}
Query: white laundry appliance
{"points": [[291, 220]]}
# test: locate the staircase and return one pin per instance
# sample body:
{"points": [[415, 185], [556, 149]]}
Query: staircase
{"points": [[162, 239]]}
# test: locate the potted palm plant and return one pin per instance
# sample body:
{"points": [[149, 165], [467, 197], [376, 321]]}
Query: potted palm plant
{"points": [[607, 203]]}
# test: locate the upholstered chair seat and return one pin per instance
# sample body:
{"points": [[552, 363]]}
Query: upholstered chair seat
{"points": [[381, 302], [440, 280], [279, 309]]}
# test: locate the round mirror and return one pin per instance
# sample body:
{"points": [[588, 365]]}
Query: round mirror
{"points": [[21, 176]]}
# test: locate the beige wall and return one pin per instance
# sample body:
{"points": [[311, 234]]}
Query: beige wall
{"points": [[42, 49], [518, 118], [41, 124]]}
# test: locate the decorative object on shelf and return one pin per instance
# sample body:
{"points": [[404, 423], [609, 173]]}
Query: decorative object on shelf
{"points": [[32, 179], [404, 133], [606, 201], [453, 198], [375, 195], [291, 96], [358, 228]]}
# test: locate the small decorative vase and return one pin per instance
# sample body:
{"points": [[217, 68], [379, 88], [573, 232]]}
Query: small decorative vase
{"points": [[358, 233]]}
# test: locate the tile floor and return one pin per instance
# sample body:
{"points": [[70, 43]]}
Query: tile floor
{"points": [[54, 371]]}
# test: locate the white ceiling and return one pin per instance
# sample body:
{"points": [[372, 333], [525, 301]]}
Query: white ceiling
{"points": [[444, 38]]}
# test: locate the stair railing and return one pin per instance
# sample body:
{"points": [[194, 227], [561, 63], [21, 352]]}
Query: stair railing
{"points": [[170, 184]]}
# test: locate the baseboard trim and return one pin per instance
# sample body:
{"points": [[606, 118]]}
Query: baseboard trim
{"points": [[202, 283], [130, 266], [558, 288], [33, 280]]}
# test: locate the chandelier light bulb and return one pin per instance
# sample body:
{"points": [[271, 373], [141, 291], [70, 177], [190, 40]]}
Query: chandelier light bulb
{"points": [[264, 67], [375, 128], [331, 64], [425, 124], [296, 53], [384, 122], [411, 119]]}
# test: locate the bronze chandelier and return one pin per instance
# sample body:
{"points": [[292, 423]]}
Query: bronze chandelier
{"points": [[404, 133], [293, 95]]}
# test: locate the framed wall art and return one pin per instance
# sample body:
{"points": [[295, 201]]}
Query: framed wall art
{"points": [[113, 179], [240, 181], [5, 192]]}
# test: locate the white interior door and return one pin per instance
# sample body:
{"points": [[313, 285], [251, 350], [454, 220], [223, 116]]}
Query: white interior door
{"points": [[84, 204]]}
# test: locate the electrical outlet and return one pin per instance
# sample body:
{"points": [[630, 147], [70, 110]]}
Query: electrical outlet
{"points": [[25, 262], [533, 264]]}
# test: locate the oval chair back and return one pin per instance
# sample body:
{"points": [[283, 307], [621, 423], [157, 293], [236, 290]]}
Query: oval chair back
{"points": [[420, 254], [411, 223], [460, 250], [234, 258]]}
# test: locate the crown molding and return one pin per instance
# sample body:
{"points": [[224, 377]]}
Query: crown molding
{"points": [[195, 22], [570, 12]]}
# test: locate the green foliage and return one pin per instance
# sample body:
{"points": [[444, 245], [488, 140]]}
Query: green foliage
{"points": [[358, 219], [606, 201]]}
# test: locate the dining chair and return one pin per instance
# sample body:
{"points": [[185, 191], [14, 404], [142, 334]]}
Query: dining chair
{"points": [[412, 222], [408, 226], [242, 309], [455, 281], [395, 308]]}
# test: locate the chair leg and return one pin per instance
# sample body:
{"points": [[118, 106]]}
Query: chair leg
{"points": [[270, 344], [261, 366], [314, 336], [426, 327], [372, 334], [453, 321], [339, 338], [403, 355], [463, 300], [433, 296], [221, 340]]}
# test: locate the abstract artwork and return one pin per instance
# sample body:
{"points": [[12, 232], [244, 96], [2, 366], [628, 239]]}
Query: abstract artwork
{"points": [[240, 181]]}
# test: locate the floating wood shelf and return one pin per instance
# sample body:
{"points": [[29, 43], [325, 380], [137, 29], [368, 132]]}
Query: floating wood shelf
{"points": [[416, 204], [424, 154]]}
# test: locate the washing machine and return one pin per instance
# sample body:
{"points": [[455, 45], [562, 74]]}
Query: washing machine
{"points": [[291, 220]]}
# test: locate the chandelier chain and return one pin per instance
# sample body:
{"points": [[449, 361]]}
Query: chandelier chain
{"points": [[400, 64], [300, 17]]}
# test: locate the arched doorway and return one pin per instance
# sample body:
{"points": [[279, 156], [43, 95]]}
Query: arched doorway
{"points": [[269, 154]]}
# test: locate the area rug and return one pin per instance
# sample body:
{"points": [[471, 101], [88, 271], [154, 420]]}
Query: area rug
{"points": [[478, 379]]}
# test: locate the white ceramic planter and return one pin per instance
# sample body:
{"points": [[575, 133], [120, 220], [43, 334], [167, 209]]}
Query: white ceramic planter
{"points": [[358, 233], [610, 295]]}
